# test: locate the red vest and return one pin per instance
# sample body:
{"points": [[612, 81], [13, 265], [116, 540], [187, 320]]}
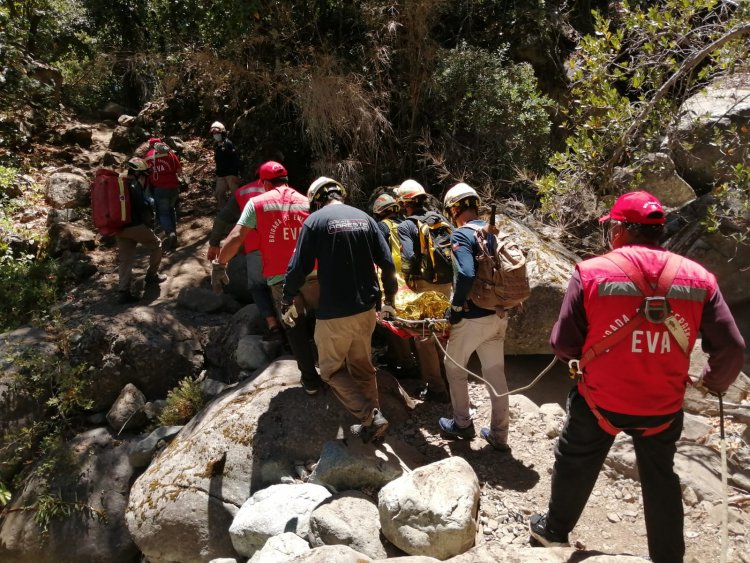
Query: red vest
{"points": [[242, 195], [647, 372], [280, 213], [164, 169]]}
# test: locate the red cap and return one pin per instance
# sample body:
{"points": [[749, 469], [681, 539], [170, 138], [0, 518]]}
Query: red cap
{"points": [[636, 207], [153, 140], [271, 170]]}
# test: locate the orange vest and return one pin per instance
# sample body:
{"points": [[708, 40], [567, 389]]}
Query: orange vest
{"points": [[279, 213], [242, 195], [647, 372]]}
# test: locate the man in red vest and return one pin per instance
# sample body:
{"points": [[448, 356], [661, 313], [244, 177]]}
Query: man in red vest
{"points": [[630, 319], [223, 223], [278, 216], [164, 167]]}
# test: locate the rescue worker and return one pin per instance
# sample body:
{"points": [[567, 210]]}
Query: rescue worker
{"points": [[165, 166], [277, 215], [227, 162], [634, 381], [223, 223], [137, 232], [413, 200], [347, 244], [473, 329]]}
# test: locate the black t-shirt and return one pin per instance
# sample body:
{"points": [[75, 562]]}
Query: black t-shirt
{"points": [[347, 244], [227, 159]]}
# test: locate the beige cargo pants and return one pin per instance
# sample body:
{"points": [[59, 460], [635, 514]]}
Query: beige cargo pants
{"points": [[127, 241]]}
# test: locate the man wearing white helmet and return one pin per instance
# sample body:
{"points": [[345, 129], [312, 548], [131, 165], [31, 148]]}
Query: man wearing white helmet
{"points": [[227, 161], [414, 262], [473, 329], [346, 243]]}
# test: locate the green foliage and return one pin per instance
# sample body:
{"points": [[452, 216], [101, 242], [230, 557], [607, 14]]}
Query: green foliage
{"points": [[183, 402], [4, 494], [619, 109], [490, 116]]}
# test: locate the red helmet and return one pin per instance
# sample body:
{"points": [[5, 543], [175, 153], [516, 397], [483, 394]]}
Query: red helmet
{"points": [[153, 140], [271, 170]]}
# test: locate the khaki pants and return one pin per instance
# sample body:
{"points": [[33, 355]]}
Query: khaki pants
{"points": [[486, 337], [345, 360], [127, 241], [225, 186]]}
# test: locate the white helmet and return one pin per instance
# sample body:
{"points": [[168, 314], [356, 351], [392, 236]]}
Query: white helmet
{"points": [[383, 203], [322, 187], [458, 193], [217, 127], [409, 190]]}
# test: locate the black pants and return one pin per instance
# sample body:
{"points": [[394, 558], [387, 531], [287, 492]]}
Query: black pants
{"points": [[579, 455]]}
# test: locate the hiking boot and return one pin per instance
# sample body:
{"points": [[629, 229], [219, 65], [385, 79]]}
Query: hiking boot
{"points": [[154, 278], [544, 536], [125, 296], [453, 431], [492, 441], [312, 387], [172, 238], [375, 431], [274, 334]]}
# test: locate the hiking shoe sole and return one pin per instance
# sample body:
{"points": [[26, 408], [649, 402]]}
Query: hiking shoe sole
{"points": [[539, 533], [375, 432]]}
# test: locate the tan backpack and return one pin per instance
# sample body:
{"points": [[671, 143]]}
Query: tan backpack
{"points": [[501, 279]]}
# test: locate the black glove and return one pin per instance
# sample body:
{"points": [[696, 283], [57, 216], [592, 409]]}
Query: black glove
{"points": [[454, 314]]}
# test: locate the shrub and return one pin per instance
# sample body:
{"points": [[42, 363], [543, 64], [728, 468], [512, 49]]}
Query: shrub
{"points": [[183, 402]]}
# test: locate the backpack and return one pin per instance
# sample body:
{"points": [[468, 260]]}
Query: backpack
{"points": [[501, 278], [110, 202], [435, 245], [395, 242]]}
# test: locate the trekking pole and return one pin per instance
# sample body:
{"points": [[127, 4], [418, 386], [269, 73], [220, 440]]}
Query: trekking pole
{"points": [[724, 491], [492, 228]]}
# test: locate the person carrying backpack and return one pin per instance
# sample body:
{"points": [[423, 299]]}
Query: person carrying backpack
{"points": [[137, 232], [227, 161], [164, 167], [425, 262], [473, 329], [628, 323]]}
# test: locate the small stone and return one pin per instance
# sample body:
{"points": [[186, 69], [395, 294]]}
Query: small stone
{"points": [[691, 534], [618, 494], [613, 517], [487, 532], [493, 524], [507, 539], [689, 497], [736, 529]]}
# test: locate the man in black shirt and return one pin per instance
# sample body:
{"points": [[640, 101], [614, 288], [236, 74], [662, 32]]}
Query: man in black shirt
{"points": [[347, 244], [227, 161]]}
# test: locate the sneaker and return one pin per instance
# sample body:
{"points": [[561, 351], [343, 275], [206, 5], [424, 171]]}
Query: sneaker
{"points": [[540, 533], [375, 431], [124, 296], [454, 431], [155, 278], [312, 387], [274, 334], [494, 442]]}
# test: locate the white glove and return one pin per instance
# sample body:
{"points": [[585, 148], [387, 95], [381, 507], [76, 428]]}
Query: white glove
{"points": [[289, 315], [387, 312]]}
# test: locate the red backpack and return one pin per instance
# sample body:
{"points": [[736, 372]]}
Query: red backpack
{"points": [[110, 202]]}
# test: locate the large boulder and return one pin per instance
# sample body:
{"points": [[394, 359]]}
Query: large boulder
{"points": [[69, 237], [282, 547], [716, 110], [126, 139], [433, 510], [656, 174], [549, 268], [67, 188], [224, 341], [250, 437], [77, 135], [89, 526]]}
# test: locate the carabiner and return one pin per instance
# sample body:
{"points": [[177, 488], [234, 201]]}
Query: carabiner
{"points": [[574, 367]]}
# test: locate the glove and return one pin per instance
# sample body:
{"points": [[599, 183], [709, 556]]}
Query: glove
{"points": [[288, 313], [219, 277], [454, 314], [387, 311]]}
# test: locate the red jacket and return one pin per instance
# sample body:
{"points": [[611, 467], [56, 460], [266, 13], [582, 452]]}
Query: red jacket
{"points": [[645, 374], [242, 195], [279, 213], [163, 169]]}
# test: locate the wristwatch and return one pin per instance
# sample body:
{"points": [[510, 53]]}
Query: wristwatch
{"points": [[457, 308]]}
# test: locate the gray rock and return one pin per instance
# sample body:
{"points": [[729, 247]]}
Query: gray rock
{"points": [[127, 411], [112, 110], [695, 427], [224, 339], [126, 139], [349, 518], [251, 353], [141, 453], [67, 189], [78, 134], [278, 549], [332, 554], [199, 299], [272, 511], [656, 174], [68, 237], [98, 479], [432, 511], [114, 159], [493, 552]]}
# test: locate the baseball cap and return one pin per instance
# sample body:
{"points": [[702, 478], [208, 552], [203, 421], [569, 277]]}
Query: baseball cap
{"points": [[153, 140], [271, 170], [636, 207]]}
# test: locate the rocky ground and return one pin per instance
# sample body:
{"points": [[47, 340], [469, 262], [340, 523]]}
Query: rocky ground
{"points": [[513, 485]]}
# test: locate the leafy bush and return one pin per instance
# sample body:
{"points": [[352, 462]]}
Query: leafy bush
{"points": [[490, 118], [183, 402]]}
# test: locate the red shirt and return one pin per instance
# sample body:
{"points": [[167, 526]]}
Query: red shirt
{"points": [[164, 169]]}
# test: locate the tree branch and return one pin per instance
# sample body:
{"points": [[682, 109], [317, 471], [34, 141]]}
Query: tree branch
{"points": [[689, 64]]}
